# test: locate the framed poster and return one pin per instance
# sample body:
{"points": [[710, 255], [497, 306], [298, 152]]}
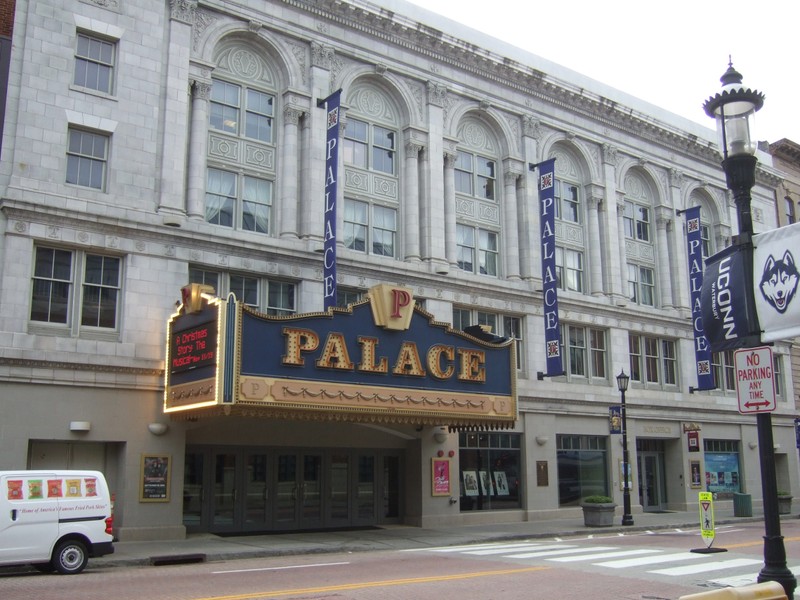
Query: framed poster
{"points": [[695, 480], [501, 483], [470, 483], [154, 478], [440, 485], [486, 484], [622, 475]]}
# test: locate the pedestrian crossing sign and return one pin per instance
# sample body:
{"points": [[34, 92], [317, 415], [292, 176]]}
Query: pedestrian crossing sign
{"points": [[707, 517]]}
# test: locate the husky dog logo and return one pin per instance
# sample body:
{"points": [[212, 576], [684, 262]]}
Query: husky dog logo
{"points": [[779, 281]]}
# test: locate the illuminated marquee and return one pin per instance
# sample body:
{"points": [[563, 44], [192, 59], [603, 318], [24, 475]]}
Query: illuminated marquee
{"points": [[382, 360]]}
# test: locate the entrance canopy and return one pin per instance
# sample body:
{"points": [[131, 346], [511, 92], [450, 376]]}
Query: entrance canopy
{"points": [[383, 359]]}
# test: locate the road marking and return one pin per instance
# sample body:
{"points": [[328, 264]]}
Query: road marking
{"points": [[713, 566], [374, 584], [650, 560], [740, 580], [569, 550], [468, 547], [336, 564], [602, 555], [503, 550]]}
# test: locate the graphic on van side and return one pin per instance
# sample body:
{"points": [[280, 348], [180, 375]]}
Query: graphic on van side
{"points": [[56, 488]]}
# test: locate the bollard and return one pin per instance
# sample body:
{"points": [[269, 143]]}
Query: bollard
{"points": [[769, 590]]}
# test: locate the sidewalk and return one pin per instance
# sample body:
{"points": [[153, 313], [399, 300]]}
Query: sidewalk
{"points": [[208, 547]]}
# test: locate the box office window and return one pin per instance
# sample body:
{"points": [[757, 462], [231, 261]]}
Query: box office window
{"points": [[582, 467], [491, 473]]}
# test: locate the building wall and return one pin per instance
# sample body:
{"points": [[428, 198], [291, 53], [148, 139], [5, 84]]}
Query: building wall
{"points": [[438, 93]]}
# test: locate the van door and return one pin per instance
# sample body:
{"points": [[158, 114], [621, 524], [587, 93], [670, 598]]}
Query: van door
{"points": [[28, 518]]}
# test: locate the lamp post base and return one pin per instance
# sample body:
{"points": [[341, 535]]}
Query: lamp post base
{"points": [[627, 519]]}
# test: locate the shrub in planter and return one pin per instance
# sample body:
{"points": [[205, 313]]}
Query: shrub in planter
{"points": [[598, 511], [784, 503]]}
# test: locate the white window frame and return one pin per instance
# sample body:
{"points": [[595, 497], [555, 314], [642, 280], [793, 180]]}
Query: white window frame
{"points": [[78, 286], [273, 296], [502, 324], [367, 230], [232, 113], [638, 289], [653, 361], [593, 357], [476, 175], [636, 218], [572, 202], [243, 206], [94, 58], [473, 241], [83, 154], [570, 277]]}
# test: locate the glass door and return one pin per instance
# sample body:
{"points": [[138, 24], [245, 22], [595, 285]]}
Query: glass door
{"points": [[311, 492], [224, 509], [650, 478], [286, 488], [338, 512], [256, 509]]}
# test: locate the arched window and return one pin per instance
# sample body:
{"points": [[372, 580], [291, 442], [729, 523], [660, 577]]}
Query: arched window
{"points": [[369, 151], [240, 174], [477, 213], [638, 230]]}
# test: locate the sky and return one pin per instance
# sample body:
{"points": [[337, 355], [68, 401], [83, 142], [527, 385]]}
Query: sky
{"points": [[670, 54]]}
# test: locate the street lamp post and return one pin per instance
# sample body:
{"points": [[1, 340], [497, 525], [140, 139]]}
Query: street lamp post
{"points": [[627, 518], [733, 109]]}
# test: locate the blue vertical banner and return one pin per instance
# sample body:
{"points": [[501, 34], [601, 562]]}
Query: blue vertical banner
{"points": [[331, 104], [702, 349], [547, 217]]}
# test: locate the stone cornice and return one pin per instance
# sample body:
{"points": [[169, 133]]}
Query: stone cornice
{"points": [[419, 38]]}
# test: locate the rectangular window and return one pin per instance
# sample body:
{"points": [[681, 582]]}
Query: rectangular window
{"points": [[267, 295], [465, 243], [94, 64], [641, 285], [501, 325], [475, 175], [636, 219], [486, 178], [220, 197], [101, 289], [488, 252], [582, 463], [225, 104], [256, 204], [724, 371], [566, 202], [657, 365], [57, 277], [345, 297], [365, 142], [463, 173], [585, 348], [258, 117], [359, 233], [569, 269], [240, 200], [790, 212], [491, 473], [87, 157]]}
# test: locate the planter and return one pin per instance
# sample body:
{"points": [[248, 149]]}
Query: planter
{"points": [[598, 514], [784, 505]]}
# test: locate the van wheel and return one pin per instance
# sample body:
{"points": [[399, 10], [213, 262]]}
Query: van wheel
{"points": [[69, 557]]}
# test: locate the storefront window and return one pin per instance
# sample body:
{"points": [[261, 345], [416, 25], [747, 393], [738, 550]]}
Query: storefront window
{"points": [[582, 468], [722, 466], [491, 477]]}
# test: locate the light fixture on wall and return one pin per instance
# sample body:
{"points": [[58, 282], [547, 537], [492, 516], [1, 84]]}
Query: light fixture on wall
{"points": [[752, 445], [80, 426], [440, 434], [542, 439], [157, 428]]}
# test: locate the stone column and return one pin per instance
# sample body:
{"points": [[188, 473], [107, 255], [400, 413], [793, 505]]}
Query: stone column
{"points": [[663, 259], [622, 278], [680, 294], [198, 149], [289, 204], [451, 250], [435, 204], [172, 176], [410, 206], [593, 248], [528, 207], [510, 225]]}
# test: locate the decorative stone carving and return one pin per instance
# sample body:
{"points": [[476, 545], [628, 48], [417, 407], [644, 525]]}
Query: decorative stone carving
{"points": [[437, 94], [182, 10], [322, 56]]}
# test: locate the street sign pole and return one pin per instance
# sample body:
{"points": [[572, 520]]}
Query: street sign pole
{"points": [[707, 529]]}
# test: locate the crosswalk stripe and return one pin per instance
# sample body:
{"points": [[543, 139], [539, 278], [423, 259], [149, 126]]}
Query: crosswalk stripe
{"points": [[650, 560], [474, 547], [750, 578], [491, 551], [603, 555], [707, 566], [570, 550]]}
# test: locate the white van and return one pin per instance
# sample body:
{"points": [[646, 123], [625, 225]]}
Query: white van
{"points": [[54, 520]]}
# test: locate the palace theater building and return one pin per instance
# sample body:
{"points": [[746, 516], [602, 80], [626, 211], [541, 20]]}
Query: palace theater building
{"points": [[163, 193]]}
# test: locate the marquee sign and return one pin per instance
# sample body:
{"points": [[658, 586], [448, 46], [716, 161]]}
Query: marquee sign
{"points": [[382, 359]]}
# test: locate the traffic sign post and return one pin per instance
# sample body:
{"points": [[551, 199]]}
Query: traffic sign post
{"points": [[707, 529], [755, 381]]}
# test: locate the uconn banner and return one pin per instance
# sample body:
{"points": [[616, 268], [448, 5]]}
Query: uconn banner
{"points": [[729, 318], [702, 350], [331, 176], [775, 281], [549, 279]]}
